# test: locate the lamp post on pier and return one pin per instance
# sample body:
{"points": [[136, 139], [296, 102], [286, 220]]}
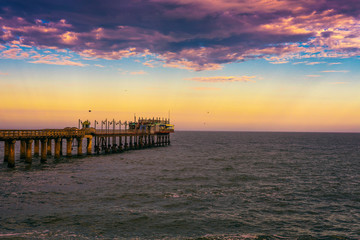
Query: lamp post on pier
{"points": [[108, 123], [117, 123], [96, 146], [103, 123], [113, 123], [80, 122]]}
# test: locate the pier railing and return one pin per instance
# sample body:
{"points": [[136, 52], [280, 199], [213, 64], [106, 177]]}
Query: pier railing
{"points": [[131, 131], [52, 133], [46, 133], [125, 132]]}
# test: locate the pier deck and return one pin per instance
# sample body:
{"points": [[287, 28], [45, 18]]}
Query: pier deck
{"points": [[135, 135]]}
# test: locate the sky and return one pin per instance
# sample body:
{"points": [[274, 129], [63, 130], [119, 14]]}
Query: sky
{"points": [[211, 65]]}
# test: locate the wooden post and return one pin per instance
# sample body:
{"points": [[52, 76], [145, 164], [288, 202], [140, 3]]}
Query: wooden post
{"points": [[140, 141], [135, 142], [6, 150], [97, 145], [114, 143], [36, 147], [11, 159], [79, 148], [44, 142], [22, 149], [28, 157], [49, 147], [120, 143], [89, 146], [113, 147], [57, 147], [68, 146], [107, 150], [61, 147], [131, 142], [126, 144]]}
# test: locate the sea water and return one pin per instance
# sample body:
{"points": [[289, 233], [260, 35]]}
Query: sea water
{"points": [[205, 185]]}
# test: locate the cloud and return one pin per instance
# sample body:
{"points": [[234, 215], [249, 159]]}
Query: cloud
{"points": [[69, 37], [314, 63], [141, 72], [60, 62], [36, 55], [335, 63], [279, 62], [152, 63], [335, 71], [313, 76], [308, 63], [223, 79], [3, 74], [189, 34], [206, 88], [336, 83]]}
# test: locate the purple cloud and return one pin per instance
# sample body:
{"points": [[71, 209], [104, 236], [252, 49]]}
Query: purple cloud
{"points": [[189, 34], [223, 79]]}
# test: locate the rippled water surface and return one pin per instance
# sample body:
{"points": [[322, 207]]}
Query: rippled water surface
{"points": [[207, 185]]}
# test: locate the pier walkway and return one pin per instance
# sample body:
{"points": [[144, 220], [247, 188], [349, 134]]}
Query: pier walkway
{"points": [[134, 135]]}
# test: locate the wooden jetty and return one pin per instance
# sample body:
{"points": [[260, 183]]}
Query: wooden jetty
{"points": [[129, 136]]}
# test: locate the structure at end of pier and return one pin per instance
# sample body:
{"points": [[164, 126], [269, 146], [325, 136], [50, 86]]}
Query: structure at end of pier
{"points": [[112, 137]]}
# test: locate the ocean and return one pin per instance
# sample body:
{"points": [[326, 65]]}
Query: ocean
{"points": [[205, 185]]}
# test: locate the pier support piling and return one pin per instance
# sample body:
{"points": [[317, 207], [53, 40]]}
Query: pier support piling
{"points": [[68, 146], [28, 156], [57, 147], [6, 151], [131, 145], [11, 159], [114, 144], [36, 147], [89, 146], [157, 140], [120, 144], [43, 150], [126, 144], [135, 142], [49, 147], [79, 148], [140, 142], [22, 149], [61, 146]]}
